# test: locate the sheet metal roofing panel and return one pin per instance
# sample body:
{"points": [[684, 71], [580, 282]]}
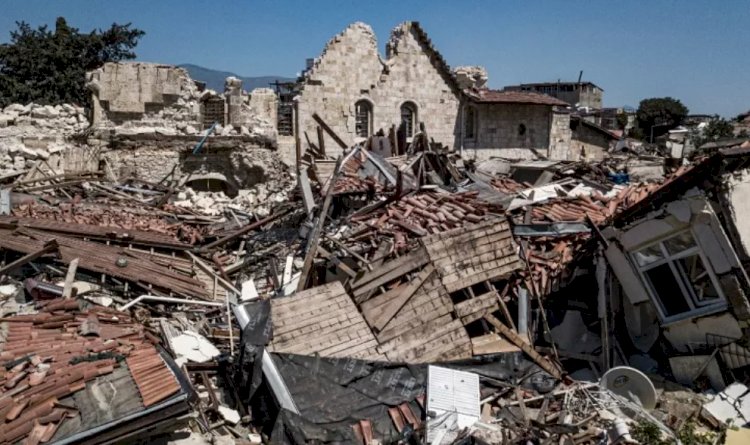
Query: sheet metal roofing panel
{"points": [[454, 397]]}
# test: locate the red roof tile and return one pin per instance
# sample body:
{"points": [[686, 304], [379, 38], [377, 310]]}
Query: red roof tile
{"points": [[513, 97], [29, 389]]}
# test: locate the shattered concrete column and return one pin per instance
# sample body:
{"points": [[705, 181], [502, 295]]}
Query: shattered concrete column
{"points": [[233, 94]]}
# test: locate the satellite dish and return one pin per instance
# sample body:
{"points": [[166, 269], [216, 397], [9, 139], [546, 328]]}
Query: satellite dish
{"points": [[632, 384]]}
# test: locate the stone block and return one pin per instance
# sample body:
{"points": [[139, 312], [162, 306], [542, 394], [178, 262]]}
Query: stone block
{"points": [[16, 108], [45, 112]]}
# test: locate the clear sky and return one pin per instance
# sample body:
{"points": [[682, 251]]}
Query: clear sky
{"points": [[696, 51]]}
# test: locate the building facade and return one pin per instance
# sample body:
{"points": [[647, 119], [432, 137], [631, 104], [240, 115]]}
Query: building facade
{"points": [[516, 125], [357, 93], [576, 94]]}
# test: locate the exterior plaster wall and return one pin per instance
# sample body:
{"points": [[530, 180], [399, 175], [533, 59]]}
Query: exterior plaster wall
{"points": [[738, 197], [559, 139], [692, 212], [351, 69], [586, 151]]}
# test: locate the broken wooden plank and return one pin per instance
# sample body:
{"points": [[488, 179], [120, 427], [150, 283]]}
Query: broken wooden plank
{"points": [[314, 237], [391, 270], [477, 304], [208, 270], [244, 230], [336, 261], [287, 277], [48, 247], [307, 196], [328, 130], [522, 405], [321, 141], [517, 340], [346, 249], [503, 306], [382, 315]]}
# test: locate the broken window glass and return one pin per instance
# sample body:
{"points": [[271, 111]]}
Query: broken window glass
{"points": [[699, 279], [363, 118], [678, 243], [665, 285], [648, 255], [678, 275]]}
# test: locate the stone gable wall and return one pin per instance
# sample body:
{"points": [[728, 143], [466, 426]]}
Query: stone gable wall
{"points": [[351, 69]]}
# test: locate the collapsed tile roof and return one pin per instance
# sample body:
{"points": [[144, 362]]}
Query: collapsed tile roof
{"points": [[61, 351], [136, 266]]}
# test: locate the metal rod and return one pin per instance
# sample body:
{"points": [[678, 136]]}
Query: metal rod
{"points": [[170, 300]]}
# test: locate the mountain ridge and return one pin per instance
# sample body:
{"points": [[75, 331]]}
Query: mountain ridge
{"points": [[215, 78]]}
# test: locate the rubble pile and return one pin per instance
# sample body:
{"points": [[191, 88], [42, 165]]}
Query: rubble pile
{"points": [[369, 299], [37, 134]]}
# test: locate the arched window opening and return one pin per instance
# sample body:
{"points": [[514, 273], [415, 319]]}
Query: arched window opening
{"points": [[521, 129], [409, 118], [470, 122], [363, 118]]}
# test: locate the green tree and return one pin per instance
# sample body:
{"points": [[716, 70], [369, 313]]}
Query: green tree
{"points": [[658, 115], [717, 128], [49, 67]]}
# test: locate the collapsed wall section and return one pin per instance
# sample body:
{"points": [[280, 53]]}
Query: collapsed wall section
{"points": [[34, 134], [140, 98]]}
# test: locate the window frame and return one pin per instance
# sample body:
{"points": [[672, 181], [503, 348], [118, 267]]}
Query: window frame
{"points": [[370, 115], [412, 108], [681, 277], [475, 112]]}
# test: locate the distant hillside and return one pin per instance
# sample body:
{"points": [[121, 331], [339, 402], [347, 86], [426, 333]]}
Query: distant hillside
{"points": [[215, 79]]}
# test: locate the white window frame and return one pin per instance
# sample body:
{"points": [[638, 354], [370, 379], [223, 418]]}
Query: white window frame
{"points": [[688, 293]]}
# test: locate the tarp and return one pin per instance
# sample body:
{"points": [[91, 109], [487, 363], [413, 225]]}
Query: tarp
{"points": [[334, 394]]}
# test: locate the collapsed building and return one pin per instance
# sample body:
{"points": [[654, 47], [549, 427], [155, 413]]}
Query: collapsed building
{"points": [[465, 275]]}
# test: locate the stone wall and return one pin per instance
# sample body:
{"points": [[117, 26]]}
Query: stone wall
{"points": [[513, 126], [351, 69], [560, 137], [128, 91], [42, 135], [142, 98], [588, 144], [498, 132], [152, 156]]}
